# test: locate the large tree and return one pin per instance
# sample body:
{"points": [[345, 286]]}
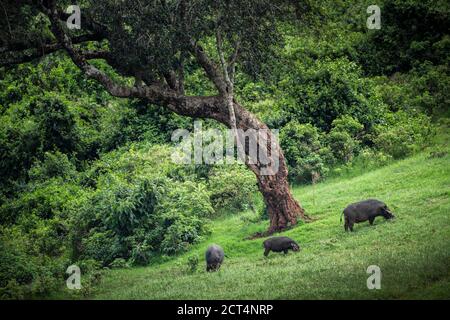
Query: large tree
{"points": [[156, 43]]}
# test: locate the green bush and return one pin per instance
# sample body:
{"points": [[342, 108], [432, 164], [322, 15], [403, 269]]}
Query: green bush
{"points": [[45, 200], [13, 291], [137, 212], [91, 274], [344, 138], [100, 246], [232, 187], [119, 263], [423, 89], [25, 272], [192, 263], [347, 124], [54, 164], [182, 211], [14, 262], [342, 145], [317, 91], [403, 134], [305, 154]]}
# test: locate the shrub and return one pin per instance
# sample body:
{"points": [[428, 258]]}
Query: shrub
{"points": [[192, 263], [119, 263], [180, 234], [24, 271], [14, 262], [342, 145], [424, 88], [137, 211], [54, 164], [232, 187], [304, 151], [181, 212], [343, 138], [45, 200], [57, 123], [141, 253], [101, 246], [347, 124], [13, 291], [402, 134], [317, 91]]}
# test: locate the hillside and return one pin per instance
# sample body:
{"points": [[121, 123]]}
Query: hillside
{"points": [[412, 250], [115, 147]]}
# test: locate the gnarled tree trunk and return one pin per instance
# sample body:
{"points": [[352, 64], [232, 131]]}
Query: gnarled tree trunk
{"points": [[283, 209]]}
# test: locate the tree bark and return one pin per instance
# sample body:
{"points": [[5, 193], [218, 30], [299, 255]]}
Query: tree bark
{"points": [[283, 210]]}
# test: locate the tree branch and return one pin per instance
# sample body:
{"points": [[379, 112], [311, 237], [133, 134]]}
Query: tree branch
{"points": [[197, 107], [152, 93], [219, 45], [232, 61], [19, 52], [209, 67], [97, 54]]}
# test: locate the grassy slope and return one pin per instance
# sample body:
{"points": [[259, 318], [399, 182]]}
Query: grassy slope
{"points": [[413, 251]]}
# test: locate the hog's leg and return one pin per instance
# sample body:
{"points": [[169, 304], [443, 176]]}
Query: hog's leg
{"points": [[285, 251], [350, 225], [371, 220], [266, 252]]}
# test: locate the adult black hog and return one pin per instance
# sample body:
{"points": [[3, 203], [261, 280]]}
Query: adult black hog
{"points": [[365, 210], [280, 244], [214, 257]]}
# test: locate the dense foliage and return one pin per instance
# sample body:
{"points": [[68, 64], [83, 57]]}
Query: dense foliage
{"points": [[88, 179]]}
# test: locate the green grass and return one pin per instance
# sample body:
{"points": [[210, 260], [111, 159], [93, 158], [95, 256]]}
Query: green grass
{"points": [[413, 251]]}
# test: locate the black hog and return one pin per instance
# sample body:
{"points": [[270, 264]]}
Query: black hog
{"points": [[214, 257], [363, 211], [280, 244]]}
